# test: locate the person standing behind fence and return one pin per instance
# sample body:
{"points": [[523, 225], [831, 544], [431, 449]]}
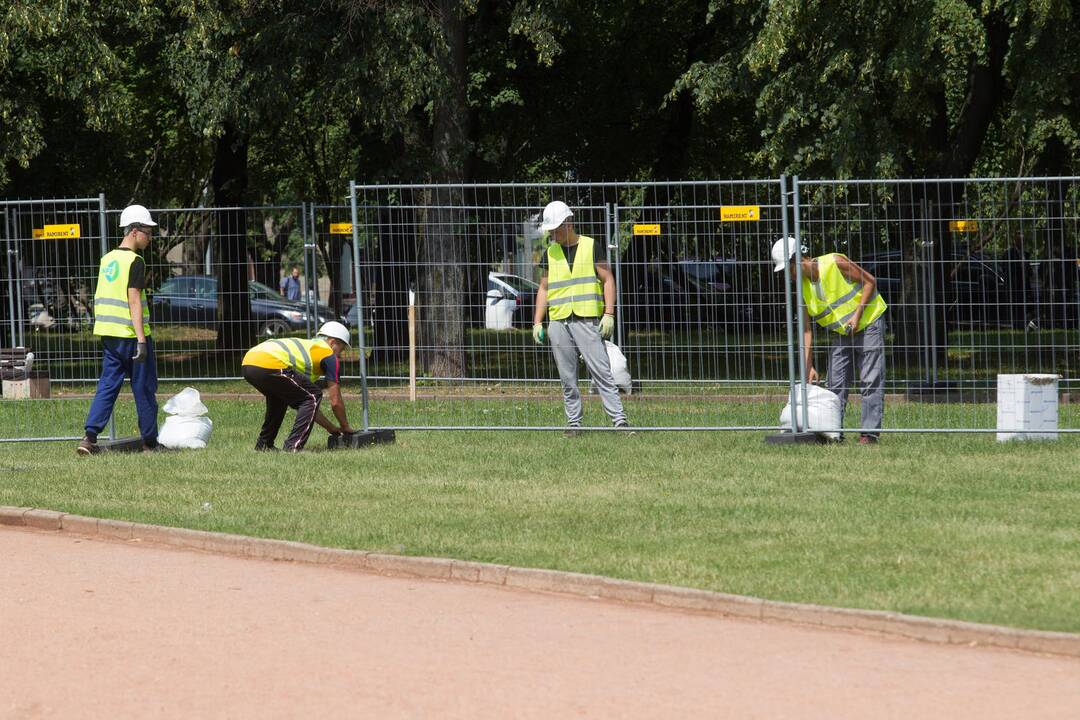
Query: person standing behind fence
{"points": [[577, 291], [284, 371], [842, 297], [122, 321], [290, 285]]}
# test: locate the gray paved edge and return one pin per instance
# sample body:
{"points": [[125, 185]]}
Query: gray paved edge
{"points": [[897, 624]]}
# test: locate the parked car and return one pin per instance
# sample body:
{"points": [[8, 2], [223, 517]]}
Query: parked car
{"points": [[193, 300], [510, 301], [687, 294]]}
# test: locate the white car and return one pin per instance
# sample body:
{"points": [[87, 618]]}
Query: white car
{"points": [[510, 301]]}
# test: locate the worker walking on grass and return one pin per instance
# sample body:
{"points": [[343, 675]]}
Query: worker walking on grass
{"points": [[122, 321], [577, 291], [284, 370], [842, 297]]}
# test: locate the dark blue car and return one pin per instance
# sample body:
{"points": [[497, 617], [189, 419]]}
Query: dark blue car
{"points": [[193, 300]]}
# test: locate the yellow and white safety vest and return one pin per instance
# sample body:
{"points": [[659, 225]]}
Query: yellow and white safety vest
{"points": [[112, 314], [574, 290], [303, 356], [833, 299]]}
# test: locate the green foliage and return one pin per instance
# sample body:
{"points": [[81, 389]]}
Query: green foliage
{"points": [[131, 97]]}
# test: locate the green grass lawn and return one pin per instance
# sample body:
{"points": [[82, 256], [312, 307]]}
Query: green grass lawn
{"points": [[954, 526]]}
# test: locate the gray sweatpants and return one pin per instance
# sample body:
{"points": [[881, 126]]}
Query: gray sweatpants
{"points": [[867, 348], [580, 335]]}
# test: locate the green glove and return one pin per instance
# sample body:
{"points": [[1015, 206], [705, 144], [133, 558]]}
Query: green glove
{"points": [[607, 326], [538, 333]]}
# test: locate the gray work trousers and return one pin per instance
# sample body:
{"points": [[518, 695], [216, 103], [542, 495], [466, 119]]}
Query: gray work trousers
{"points": [[867, 348], [582, 335]]}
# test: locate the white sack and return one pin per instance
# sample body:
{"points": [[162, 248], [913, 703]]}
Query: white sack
{"points": [[619, 369], [822, 411], [185, 432], [185, 403]]}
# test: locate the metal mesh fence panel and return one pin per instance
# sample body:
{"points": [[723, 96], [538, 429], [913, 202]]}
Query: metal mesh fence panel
{"points": [[52, 249], [700, 317], [981, 279], [215, 286]]}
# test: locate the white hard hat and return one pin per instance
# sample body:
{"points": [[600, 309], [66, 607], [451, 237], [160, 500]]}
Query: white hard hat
{"points": [[782, 251], [336, 330], [136, 214], [555, 214]]}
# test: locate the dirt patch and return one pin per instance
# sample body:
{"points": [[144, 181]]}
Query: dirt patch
{"points": [[112, 629]]}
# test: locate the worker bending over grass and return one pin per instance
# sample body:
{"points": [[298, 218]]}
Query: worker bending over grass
{"points": [[284, 370]]}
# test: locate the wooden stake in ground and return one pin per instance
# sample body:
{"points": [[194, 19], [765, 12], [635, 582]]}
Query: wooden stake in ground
{"points": [[412, 346]]}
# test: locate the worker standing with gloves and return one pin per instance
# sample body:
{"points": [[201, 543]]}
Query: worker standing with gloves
{"points": [[122, 321], [577, 291], [284, 370]]}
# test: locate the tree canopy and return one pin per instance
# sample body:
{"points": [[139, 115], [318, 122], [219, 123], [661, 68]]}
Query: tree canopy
{"points": [[283, 100]]}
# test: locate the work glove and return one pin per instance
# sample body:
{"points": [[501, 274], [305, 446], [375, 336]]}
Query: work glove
{"points": [[607, 326], [538, 333], [140, 354]]}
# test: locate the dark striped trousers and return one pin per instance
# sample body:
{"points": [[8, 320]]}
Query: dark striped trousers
{"points": [[284, 389]]}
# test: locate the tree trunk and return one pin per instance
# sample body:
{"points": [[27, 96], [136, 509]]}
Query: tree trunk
{"points": [[442, 252], [229, 181]]}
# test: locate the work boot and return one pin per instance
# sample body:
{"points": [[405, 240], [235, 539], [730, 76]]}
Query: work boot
{"points": [[156, 447], [87, 447]]}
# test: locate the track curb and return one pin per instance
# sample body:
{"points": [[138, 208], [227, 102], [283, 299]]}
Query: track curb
{"points": [[951, 632]]}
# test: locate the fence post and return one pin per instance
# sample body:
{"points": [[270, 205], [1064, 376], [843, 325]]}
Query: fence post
{"points": [[359, 304], [103, 227], [615, 244], [798, 307], [787, 304], [11, 266]]}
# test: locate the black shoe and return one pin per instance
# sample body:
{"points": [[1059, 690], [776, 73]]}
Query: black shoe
{"points": [[625, 428], [87, 447], [260, 447], [155, 448], [868, 439], [572, 430]]}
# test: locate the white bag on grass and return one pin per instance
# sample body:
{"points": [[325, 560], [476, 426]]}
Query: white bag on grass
{"points": [[186, 427], [822, 411]]}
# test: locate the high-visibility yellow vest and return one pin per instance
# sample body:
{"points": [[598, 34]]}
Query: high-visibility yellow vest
{"points": [[112, 314], [303, 356], [841, 298], [573, 290]]}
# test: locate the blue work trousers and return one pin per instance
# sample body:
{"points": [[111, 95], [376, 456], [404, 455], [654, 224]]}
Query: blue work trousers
{"points": [[115, 366]]}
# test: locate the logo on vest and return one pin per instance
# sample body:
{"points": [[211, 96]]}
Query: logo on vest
{"points": [[111, 271]]}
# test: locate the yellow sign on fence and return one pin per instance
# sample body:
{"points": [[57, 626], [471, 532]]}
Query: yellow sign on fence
{"points": [[964, 226], [341, 228], [39, 233], [740, 213], [646, 229], [61, 232]]}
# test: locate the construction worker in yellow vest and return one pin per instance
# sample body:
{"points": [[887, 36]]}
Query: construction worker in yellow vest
{"points": [[577, 292], [842, 297], [122, 321], [285, 370]]}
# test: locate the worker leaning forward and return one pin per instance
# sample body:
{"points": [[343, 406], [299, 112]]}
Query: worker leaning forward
{"points": [[842, 297], [577, 291], [122, 321], [285, 371]]}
